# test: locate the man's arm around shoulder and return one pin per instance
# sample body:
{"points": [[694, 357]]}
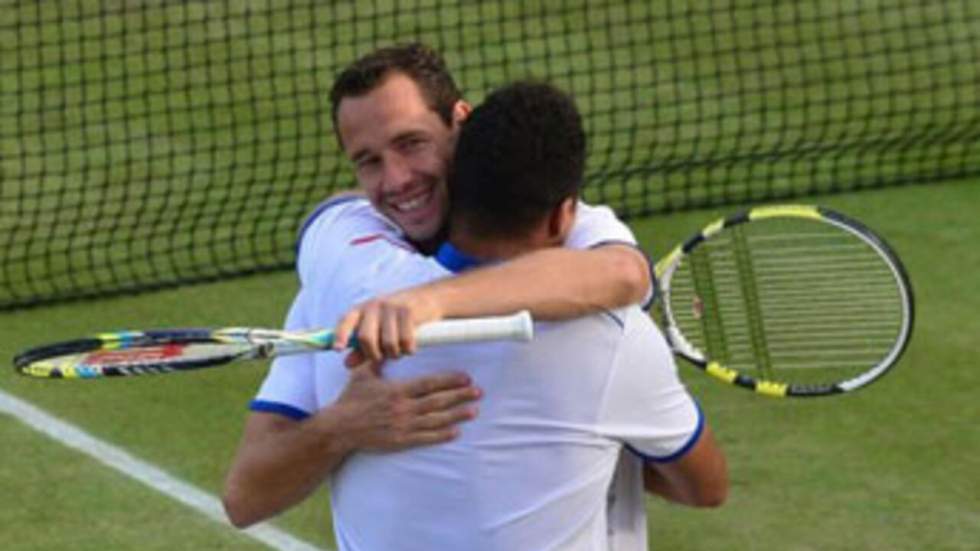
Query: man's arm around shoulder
{"points": [[553, 283]]}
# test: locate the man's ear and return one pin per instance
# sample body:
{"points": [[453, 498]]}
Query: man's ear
{"points": [[561, 220], [461, 110]]}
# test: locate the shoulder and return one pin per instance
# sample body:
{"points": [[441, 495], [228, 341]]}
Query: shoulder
{"points": [[596, 225], [345, 215], [350, 253], [643, 337], [588, 209], [335, 226]]}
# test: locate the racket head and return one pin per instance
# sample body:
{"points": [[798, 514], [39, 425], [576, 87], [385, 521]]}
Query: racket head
{"points": [[788, 300], [127, 353]]}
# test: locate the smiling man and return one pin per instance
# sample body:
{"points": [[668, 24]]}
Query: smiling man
{"points": [[400, 149]]}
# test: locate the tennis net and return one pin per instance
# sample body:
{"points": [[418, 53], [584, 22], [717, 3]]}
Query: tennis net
{"points": [[153, 143]]}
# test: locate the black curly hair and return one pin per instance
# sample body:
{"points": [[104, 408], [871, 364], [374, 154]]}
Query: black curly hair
{"points": [[519, 155]]}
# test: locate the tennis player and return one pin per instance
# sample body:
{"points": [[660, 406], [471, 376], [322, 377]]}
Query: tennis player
{"points": [[535, 470], [397, 112]]}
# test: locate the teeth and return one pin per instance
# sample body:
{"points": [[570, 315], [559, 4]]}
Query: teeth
{"points": [[411, 204]]}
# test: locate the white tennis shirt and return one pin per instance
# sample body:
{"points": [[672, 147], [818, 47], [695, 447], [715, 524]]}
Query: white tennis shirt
{"points": [[535, 470]]}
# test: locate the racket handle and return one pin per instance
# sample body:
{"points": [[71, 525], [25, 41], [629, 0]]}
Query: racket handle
{"points": [[517, 327]]}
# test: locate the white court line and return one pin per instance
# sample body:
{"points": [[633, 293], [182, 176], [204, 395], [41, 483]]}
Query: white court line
{"points": [[143, 472]]}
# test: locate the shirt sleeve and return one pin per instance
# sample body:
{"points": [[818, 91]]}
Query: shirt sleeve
{"points": [[645, 405], [288, 387], [327, 239], [597, 225]]}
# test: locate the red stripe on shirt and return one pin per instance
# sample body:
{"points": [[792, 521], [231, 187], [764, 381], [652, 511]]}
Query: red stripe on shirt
{"points": [[375, 236]]}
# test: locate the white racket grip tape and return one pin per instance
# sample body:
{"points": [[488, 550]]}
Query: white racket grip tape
{"points": [[516, 327]]}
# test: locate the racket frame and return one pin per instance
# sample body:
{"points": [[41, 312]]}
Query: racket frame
{"points": [[667, 266]]}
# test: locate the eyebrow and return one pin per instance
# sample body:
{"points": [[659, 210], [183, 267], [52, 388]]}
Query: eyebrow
{"points": [[359, 155], [413, 133]]}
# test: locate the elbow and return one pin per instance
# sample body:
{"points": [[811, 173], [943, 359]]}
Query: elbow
{"points": [[639, 283], [712, 492], [711, 498], [238, 511], [635, 279]]}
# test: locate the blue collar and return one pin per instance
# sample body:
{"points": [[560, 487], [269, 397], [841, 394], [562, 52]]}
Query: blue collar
{"points": [[454, 259]]}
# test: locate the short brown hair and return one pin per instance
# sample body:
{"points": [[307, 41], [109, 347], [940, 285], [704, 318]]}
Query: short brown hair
{"points": [[416, 60]]}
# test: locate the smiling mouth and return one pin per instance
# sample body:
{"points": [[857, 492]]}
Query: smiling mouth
{"points": [[410, 205]]}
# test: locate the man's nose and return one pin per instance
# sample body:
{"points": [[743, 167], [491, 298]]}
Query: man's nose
{"points": [[397, 174]]}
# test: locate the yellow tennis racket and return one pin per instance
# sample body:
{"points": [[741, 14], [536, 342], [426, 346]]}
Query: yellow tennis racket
{"points": [[787, 300]]}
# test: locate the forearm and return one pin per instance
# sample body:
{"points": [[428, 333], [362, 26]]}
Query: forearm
{"points": [[656, 483], [552, 283], [698, 479], [277, 469]]}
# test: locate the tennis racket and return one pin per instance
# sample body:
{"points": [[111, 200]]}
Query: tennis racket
{"points": [[167, 350], [786, 301]]}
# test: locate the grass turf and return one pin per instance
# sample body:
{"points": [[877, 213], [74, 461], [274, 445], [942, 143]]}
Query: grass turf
{"points": [[891, 467]]}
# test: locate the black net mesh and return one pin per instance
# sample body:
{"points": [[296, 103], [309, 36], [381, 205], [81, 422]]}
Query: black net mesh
{"points": [[152, 143]]}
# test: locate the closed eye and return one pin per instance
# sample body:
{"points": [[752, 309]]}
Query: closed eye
{"points": [[412, 142], [366, 162]]}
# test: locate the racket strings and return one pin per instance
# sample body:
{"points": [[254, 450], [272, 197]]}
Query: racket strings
{"points": [[789, 295]]}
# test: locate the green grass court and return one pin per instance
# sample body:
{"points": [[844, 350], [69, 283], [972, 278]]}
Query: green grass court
{"points": [[892, 467], [196, 106]]}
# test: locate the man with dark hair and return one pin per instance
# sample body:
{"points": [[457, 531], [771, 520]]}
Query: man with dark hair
{"points": [[397, 121], [536, 469]]}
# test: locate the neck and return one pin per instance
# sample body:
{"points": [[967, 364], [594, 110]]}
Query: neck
{"points": [[550, 231], [429, 246], [490, 249]]}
